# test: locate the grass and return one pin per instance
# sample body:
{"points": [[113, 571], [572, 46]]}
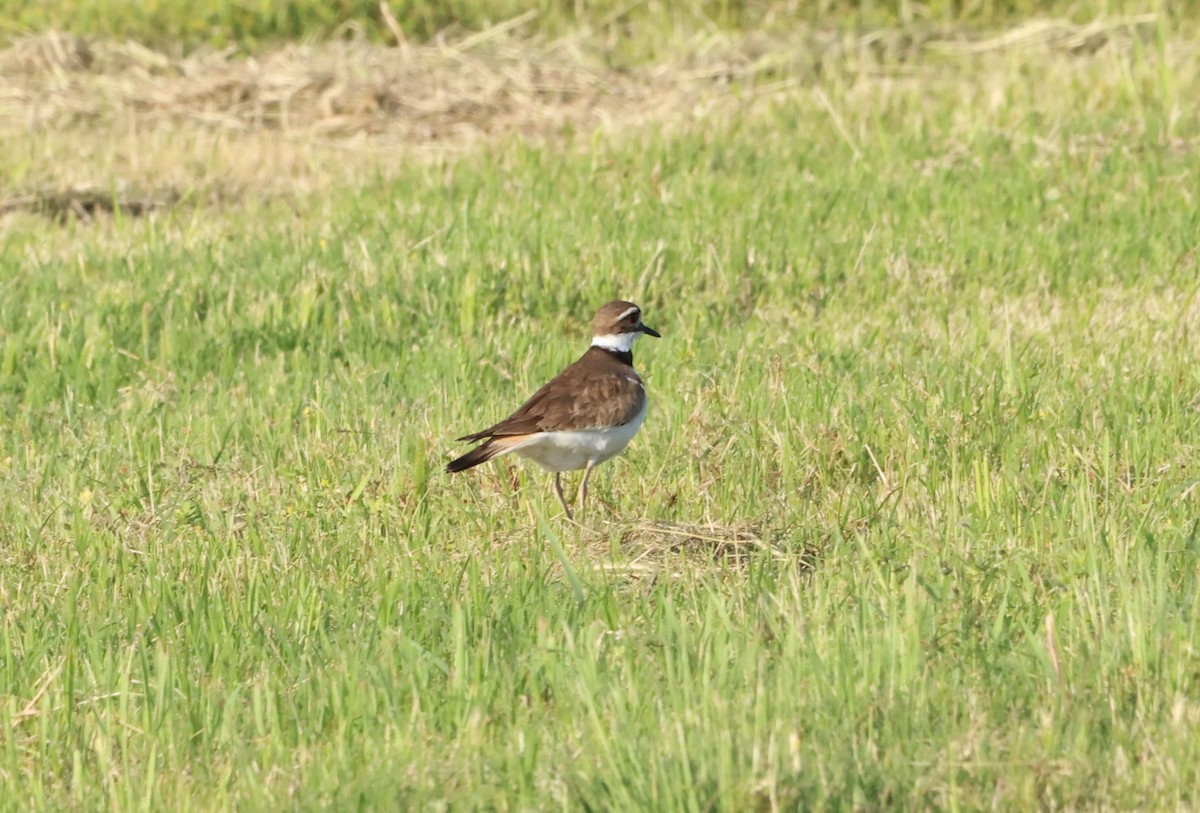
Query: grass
{"points": [[928, 336], [637, 27]]}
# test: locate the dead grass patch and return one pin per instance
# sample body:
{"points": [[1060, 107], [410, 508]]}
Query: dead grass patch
{"points": [[79, 115], [300, 117], [657, 548], [83, 202]]}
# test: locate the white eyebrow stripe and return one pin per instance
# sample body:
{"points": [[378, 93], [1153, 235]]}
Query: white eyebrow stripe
{"points": [[628, 311]]}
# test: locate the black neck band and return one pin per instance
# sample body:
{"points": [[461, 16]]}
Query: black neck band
{"points": [[623, 356]]}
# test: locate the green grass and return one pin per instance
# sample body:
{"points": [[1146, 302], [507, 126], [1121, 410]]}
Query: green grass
{"points": [[247, 23], [942, 357]]}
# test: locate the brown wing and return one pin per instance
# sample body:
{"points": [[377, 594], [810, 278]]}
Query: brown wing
{"points": [[583, 396]]}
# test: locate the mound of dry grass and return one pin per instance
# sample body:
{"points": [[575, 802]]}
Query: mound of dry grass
{"points": [[83, 117]]}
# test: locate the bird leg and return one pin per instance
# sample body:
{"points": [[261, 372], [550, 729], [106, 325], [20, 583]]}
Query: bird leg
{"points": [[558, 491], [587, 472]]}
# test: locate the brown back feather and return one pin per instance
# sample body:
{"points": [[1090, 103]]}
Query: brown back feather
{"points": [[597, 390]]}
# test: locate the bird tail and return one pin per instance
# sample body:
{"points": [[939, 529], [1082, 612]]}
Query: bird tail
{"points": [[480, 454]]}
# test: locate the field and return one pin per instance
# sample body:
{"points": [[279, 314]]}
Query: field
{"points": [[912, 523]]}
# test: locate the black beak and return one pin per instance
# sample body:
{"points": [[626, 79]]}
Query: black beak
{"points": [[649, 331]]}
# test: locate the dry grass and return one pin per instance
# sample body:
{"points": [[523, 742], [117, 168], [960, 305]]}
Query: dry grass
{"points": [[439, 94], [708, 541], [299, 116], [654, 548], [93, 124]]}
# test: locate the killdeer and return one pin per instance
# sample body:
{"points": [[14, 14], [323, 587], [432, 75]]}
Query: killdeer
{"points": [[587, 414]]}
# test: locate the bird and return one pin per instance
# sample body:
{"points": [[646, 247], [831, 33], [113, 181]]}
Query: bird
{"points": [[585, 415]]}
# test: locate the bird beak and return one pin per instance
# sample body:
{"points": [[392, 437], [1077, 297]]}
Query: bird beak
{"points": [[649, 331]]}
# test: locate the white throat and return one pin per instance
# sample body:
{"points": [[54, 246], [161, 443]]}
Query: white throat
{"points": [[620, 342]]}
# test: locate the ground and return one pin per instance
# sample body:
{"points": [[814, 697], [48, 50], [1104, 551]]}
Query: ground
{"points": [[910, 525]]}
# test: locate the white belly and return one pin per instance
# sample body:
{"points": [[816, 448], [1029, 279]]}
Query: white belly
{"points": [[576, 449]]}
